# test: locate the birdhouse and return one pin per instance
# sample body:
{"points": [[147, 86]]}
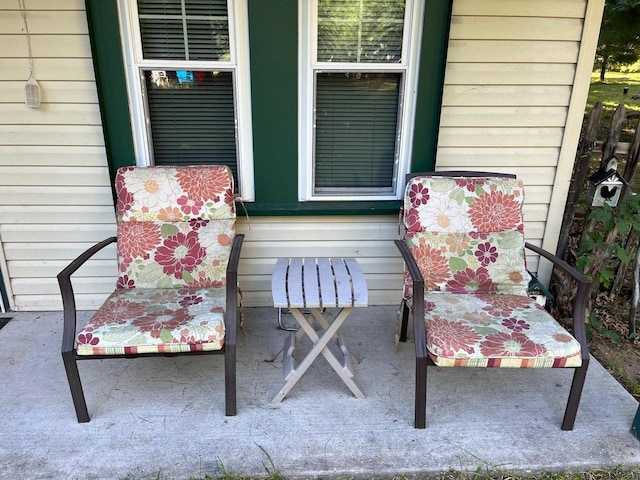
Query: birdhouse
{"points": [[606, 185]]}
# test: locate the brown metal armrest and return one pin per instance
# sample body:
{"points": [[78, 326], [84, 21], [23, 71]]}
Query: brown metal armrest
{"points": [[582, 295], [68, 298], [419, 330], [231, 312]]}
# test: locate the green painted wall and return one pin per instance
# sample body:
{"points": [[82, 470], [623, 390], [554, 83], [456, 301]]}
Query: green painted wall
{"points": [[104, 32], [273, 36]]}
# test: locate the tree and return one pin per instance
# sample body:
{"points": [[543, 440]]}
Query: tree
{"points": [[619, 42]]}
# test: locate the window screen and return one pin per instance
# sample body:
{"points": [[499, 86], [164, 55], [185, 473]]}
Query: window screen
{"points": [[192, 117], [356, 130]]}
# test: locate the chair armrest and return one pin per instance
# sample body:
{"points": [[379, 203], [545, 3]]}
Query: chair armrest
{"points": [[68, 298], [231, 312], [582, 295], [419, 326]]}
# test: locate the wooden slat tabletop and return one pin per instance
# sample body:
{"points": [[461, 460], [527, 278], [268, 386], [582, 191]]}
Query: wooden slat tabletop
{"points": [[318, 283]]}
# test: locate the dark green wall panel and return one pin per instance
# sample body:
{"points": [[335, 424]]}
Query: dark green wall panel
{"points": [[104, 31], [273, 33]]}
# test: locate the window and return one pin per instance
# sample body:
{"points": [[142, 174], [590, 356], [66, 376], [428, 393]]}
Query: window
{"points": [[188, 81], [358, 79]]}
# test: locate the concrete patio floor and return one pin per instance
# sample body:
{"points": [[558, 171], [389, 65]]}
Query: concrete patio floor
{"points": [[163, 418]]}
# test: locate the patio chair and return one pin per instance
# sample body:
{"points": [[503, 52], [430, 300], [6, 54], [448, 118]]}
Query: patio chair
{"points": [[466, 284], [177, 288]]}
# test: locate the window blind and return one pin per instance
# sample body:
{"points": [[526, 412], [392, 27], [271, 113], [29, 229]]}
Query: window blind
{"points": [[192, 117], [361, 31], [356, 130], [184, 29]]}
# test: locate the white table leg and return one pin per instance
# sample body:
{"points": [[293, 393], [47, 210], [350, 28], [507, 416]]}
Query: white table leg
{"points": [[320, 346]]}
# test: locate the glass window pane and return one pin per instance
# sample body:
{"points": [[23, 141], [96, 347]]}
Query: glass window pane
{"points": [[184, 29], [192, 117], [356, 130], [363, 31]]}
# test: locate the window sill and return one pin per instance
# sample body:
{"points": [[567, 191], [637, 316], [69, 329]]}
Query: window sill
{"points": [[301, 209]]}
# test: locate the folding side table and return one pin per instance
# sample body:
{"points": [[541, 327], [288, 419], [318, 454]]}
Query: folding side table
{"points": [[314, 284]]}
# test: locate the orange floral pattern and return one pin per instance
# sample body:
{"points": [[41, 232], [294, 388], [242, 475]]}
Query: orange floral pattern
{"points": [[451, 204], [175, 226], [473, 227], [495, 212], [143, 320], [459, 263], [515, 331], [175, 230], [467, 237]]}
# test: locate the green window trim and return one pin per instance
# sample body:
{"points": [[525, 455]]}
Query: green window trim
{"points": [[274, 86]]}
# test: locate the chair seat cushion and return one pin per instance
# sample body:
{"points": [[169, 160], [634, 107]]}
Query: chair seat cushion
{"points": [[141, 320], [496, 330]]}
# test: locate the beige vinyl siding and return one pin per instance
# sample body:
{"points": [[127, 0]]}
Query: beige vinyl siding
{"points": [[55, 198], [509, 105], [368, 238], [509, 90]]}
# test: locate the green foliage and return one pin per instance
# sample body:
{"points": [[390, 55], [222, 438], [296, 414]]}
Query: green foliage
{"points": [[620, 220], [619, 41], [595, 326]]}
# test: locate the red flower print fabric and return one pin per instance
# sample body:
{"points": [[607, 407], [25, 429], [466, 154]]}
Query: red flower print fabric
{"points": [[175, 226], [467, 237], [495, 331], [463, 204], [461, 263], [466, 234], [143, 320]]}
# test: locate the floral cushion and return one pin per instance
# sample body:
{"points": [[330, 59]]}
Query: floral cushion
{"points": [[463, 204], [495, 331], [175, 194], [175, 226], [142, 320], [466, 234], [470, 262], [174, 255]]}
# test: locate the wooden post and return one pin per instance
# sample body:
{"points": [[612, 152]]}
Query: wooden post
{"points": [[633, 238], [635, 302], [585, 147], [608, 149], [610, 144]]}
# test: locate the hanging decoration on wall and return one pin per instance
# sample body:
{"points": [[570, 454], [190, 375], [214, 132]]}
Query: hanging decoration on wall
{"points": [[31, 88]]}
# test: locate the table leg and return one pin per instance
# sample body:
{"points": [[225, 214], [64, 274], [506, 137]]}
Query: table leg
{"points": [[325, 324], [320, 346]]}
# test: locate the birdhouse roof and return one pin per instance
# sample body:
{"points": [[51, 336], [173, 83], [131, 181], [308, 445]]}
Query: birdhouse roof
{"points": [[603, 175]]}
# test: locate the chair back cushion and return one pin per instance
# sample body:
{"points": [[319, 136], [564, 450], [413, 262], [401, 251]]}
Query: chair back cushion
{"points": [[175, 226], [466, 234]]}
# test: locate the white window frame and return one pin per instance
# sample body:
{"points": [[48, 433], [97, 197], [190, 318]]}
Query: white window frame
{"points": [[135, 66], [307, 59]]}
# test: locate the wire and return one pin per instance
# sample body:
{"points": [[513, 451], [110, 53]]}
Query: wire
{"points": [[23, 12]]}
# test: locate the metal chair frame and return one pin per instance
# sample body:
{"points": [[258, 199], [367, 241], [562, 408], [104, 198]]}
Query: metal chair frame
{"points": [[70, 355], [419, 326]]}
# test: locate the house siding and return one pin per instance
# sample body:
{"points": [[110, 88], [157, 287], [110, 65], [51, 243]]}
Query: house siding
{"points": [[515, 89], [509, 106], [55, 198]]}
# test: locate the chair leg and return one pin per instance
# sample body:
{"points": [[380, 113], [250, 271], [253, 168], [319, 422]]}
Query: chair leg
{"points": [[230, 380], [574, 396], [405, 321], [420, 420], [73, 377]]}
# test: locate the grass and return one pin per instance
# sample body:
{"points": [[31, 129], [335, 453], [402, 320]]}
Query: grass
{"points": [[611, 94]]}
